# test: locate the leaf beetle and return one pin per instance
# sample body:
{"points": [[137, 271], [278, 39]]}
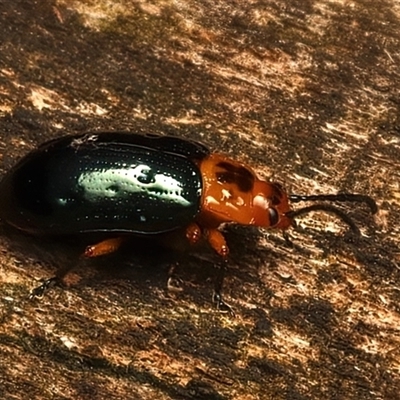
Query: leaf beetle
{"points": [[120, 184]]}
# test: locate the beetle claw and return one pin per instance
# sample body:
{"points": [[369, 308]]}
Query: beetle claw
{"points": [[222, 305], [44, 287], [174, 284]]}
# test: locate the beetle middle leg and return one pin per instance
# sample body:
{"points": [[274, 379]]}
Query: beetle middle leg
{"points": [[193, 234], [174, 284]]}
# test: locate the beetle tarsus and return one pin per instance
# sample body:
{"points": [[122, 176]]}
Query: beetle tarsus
{"points": [[44, 287], [218, 284], [174, 284]]}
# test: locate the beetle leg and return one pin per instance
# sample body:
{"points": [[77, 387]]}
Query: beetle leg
{"points": [[57, 280], [44, 287], [217, 242], [217, 296], [173, 283], [193, 233], [104, 247]]}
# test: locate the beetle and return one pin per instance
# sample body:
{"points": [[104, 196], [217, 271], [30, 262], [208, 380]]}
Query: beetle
{"points": [[121, 184]]}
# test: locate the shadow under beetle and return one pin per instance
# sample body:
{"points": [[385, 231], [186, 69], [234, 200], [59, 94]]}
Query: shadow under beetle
{"points": [[120, 184]]}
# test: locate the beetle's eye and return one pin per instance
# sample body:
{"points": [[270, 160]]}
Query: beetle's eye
{"points": [[273, 216]]}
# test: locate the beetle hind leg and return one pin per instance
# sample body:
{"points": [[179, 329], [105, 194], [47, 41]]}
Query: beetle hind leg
{"points": [[56, 280], [99, 249], [104, 247], [44, 287]]}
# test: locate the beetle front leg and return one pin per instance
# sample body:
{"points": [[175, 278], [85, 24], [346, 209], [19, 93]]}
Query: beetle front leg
{"points": [[218, 243], [218, 284]]}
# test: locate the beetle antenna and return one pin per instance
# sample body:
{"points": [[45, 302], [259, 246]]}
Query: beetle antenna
{"points": [[329, 209], [340, 197]]}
